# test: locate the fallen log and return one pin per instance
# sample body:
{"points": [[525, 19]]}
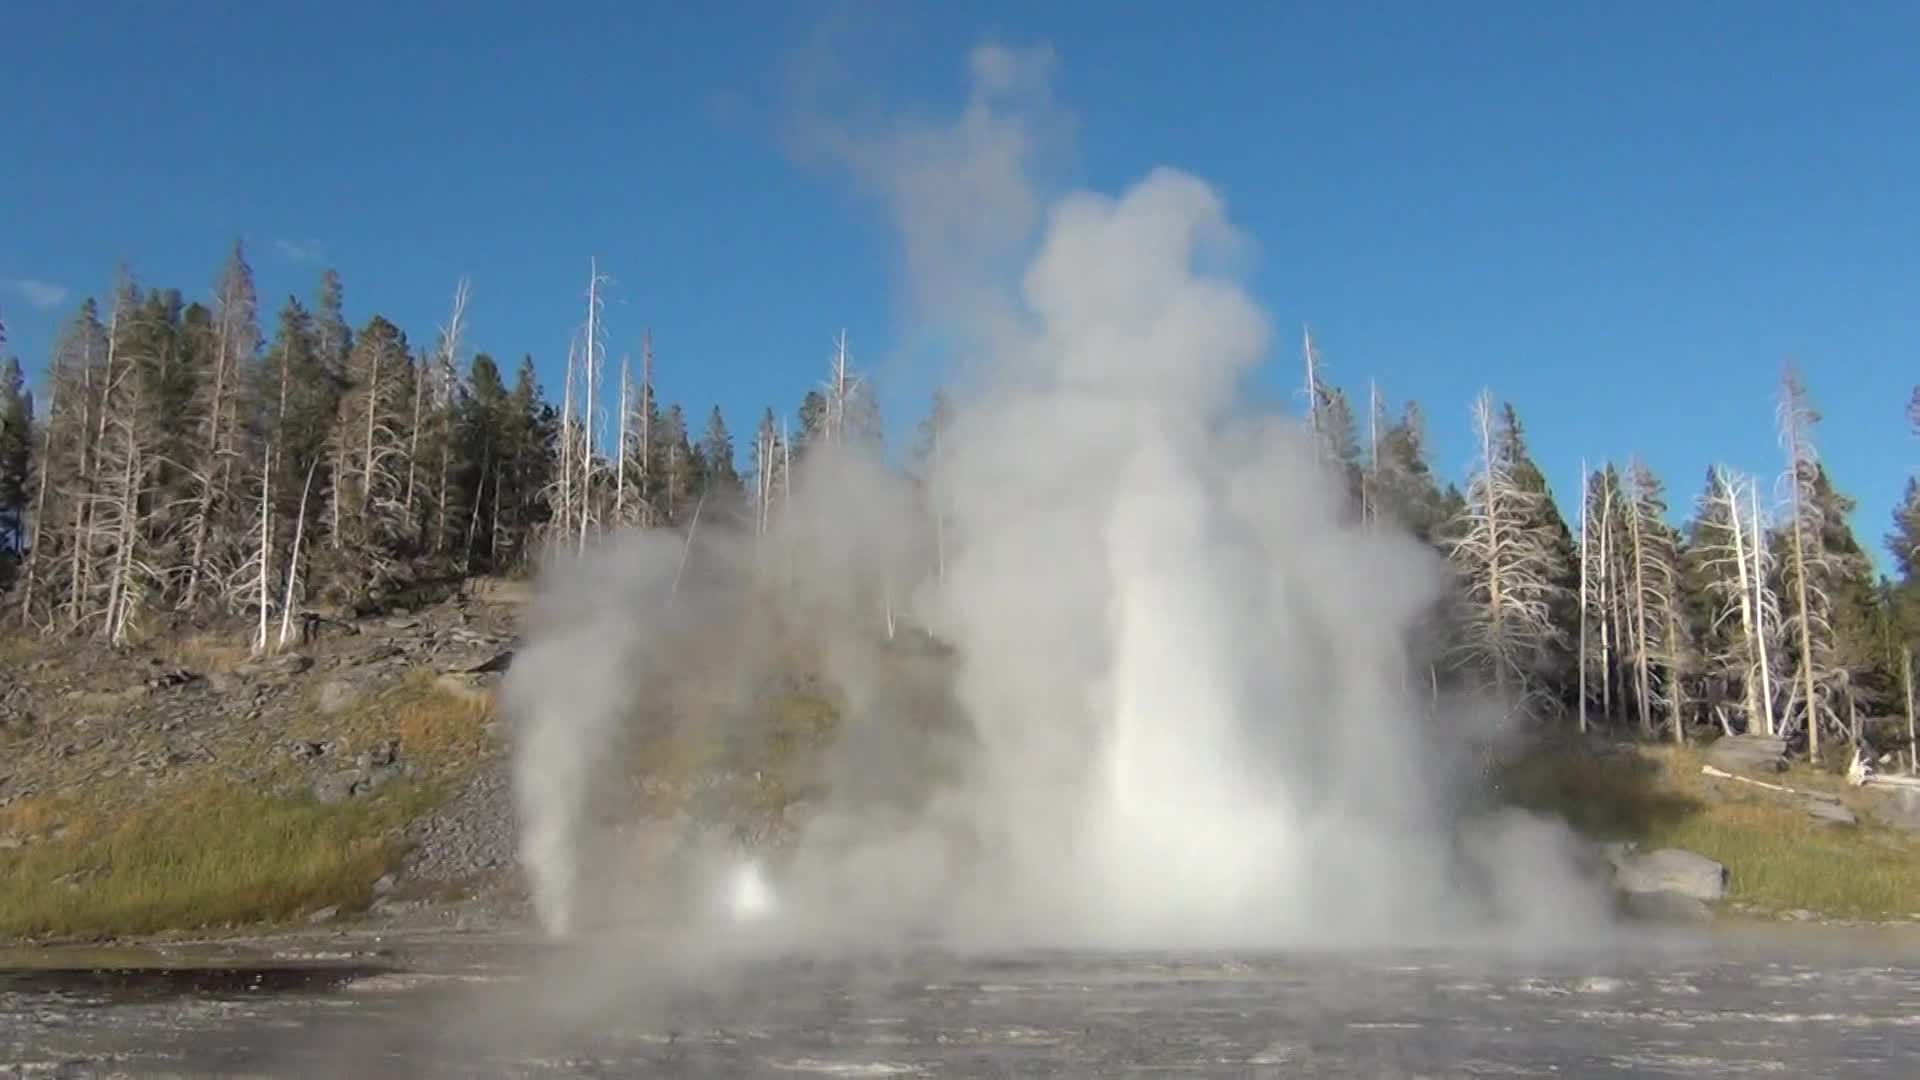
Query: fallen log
{"points": [[1722, 774]]}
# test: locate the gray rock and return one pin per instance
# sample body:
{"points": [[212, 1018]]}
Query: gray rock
{"points": [[1748, 754], [1830, 813], [339, 787], [1897, 809], [324, 915], [1663, 905], [336, 696], [385, 885], [1672, 870]]}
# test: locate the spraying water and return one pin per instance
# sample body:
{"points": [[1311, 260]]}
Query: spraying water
{"points": [[1180, 663]]}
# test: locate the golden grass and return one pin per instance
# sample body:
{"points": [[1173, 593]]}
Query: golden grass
{"points": [[1779, 859], [213, 854], [436, 728]]}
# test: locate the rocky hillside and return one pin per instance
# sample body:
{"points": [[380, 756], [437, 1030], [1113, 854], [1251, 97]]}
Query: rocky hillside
{"points": [[393, 711]]}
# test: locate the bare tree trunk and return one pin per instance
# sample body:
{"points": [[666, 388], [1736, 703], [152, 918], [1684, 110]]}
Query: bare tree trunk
{"points": [[266, 542], [646, 431], [592, 376], [1609, 602], [212, 492], [620, 454], [1799, 570], [1749, 624], [1643, 691], [1370, 489], [1675, 689], [1906, 698], [1312, 358], [293, 556], [1580, 654], [413, 445], [1800, 457], [565, 516], [35, 552], [1761, 633]]}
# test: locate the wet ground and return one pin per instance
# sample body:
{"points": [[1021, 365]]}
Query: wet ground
{"points": [[1776, 1005]]}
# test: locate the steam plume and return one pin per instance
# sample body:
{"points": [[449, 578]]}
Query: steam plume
{"points": [[1180, 669]]}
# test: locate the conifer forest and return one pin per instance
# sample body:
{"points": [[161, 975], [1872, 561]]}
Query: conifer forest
{"points": [[187, 463]]}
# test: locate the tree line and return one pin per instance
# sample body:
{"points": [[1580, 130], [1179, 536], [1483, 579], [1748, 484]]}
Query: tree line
{"points": [[184, 465]]}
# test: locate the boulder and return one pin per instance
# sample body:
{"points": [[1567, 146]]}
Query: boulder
{"points": [[339, 787], [336, 696], [1748, 754], [1671, 870], [1828, 812], [1897, 808], [1663, 905]]}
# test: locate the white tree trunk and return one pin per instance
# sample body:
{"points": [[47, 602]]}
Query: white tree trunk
{"points": [[293, 557]]}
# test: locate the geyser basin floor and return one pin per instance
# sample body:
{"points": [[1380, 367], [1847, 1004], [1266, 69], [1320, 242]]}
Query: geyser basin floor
{"points": [[1827, 1005]]}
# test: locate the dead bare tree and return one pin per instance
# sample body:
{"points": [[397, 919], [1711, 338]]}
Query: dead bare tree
{"points": [[446, 388], [1599, 582], [620, 453], [1807, 566], [590, 366], [1370, 482], [236, 338], [37, 549], [1311, 357], [1651, 586], [1730, 576], [1580, 652], [1506, 571], [293, 560]]}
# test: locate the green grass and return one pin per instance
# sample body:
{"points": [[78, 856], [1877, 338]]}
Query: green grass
{"points": [[213, 855], [1778, 858]]}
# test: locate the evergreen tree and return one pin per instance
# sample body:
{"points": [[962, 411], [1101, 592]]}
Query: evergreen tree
{"points": [[332, 340], [680, 468], [813, 422], [1339, 447], [718, 470], [1404, 482], [16, 454]]}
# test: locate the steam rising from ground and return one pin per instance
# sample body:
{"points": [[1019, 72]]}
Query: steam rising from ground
{"points": [[1191, 690]]}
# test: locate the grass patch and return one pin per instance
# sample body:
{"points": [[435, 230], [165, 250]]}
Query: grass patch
{"points": [[1779, 859], [212, 854], [437, 728]]}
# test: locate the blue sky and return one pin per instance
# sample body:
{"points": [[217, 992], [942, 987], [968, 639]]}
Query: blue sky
{"points": [[1620, 217]]}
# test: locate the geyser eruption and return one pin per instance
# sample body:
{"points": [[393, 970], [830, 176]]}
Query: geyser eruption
{"points": [[1193, 688]]}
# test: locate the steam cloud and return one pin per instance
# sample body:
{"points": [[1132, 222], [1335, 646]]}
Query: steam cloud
{"points": [[1193, 706]]}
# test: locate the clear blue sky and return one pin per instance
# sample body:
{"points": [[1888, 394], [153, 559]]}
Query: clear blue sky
{"points": [[1621, 217]]}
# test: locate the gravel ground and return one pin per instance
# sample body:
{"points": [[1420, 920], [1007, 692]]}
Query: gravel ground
{"points": [[470, 837]]}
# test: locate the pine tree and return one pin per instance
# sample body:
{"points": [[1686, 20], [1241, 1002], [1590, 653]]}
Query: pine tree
{"points": [[1405, 489], [16, 454], [478, 452], [332, 339], [680, 467], [720, 486], [814, 421]]}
